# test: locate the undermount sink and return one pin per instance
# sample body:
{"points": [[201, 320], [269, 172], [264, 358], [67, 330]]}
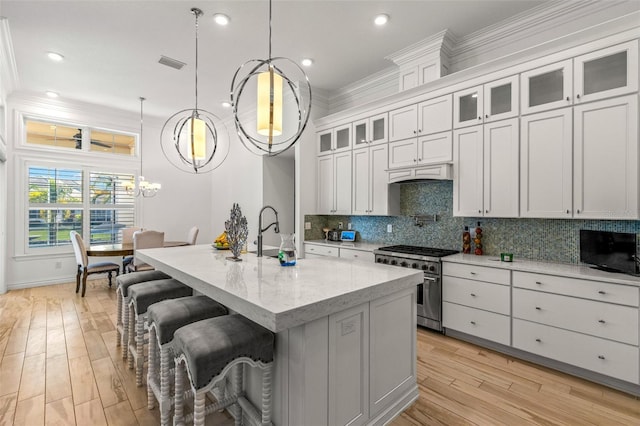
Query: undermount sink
{"points": [[267, 252]]}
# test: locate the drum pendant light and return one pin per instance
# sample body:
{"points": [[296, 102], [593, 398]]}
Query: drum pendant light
{"points": [[195, 140], [282, 102]]}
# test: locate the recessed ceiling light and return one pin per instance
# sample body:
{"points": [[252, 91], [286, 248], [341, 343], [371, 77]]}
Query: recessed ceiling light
{"points": [[51, 94], [55, 56], [221, 19], [307, 62], [381, 19], [226, 104]]}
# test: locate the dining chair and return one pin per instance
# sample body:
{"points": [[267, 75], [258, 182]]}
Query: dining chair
{"points": [[192, 236], [127, 238], [84, 267], [143, 240]]}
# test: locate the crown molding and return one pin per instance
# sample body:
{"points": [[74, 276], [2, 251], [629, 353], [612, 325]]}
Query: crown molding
{"points": [[375, 86], [439, 43], [525, 25], [8, 69]]}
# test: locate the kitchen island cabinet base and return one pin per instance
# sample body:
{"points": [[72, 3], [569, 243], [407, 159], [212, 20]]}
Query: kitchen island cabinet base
{"points": [[620, 385]]}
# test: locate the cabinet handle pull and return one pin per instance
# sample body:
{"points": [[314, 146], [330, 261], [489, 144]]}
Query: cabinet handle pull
{"points": [[538, 282], [567, 211], [415, 132], [601, 321], [568, 98], [601, 356], [472, 273], [538, 340], [473, 322], [479, 211], [578, 96], [473, 295], [538, 308], [486, 211], [578, 211], [414, 160], [419, 130], [602, 292], [486, 116], [419, 160], [480, 118]]}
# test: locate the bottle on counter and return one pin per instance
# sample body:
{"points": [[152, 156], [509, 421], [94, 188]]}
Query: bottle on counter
{"points": [[287, 253], [478, 240], [466, 241]]}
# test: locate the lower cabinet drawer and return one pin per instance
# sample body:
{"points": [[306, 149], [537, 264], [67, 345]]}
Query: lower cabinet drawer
{"points": [[366, 256], [479, 273], [592, 353], [606, 320], [321, 250], [477, 294], [476, 322]]}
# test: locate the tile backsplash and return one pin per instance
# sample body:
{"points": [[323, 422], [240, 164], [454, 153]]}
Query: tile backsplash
{"points": [[538, 239]]}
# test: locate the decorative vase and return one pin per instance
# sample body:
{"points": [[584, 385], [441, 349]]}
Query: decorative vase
{"points": [[287, 253]]}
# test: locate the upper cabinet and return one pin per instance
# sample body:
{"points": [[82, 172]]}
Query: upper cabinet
{"points": [[493, 101], [334, 140], [607, 72], [370, 131], [425, 118], [596, 75]]}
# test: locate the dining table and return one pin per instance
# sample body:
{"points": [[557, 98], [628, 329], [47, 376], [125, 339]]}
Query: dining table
{"points": [[123, 249]]}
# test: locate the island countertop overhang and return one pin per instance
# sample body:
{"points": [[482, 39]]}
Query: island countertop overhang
{"points": [[279, 297]]}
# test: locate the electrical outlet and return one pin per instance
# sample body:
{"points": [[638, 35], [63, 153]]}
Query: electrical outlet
{"points": [[389, 228], [339, 225], [307, 226], [349, 226], [58, 265]]}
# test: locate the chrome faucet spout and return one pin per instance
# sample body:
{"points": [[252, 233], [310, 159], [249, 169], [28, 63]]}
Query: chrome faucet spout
{"points": [[276, 227]]}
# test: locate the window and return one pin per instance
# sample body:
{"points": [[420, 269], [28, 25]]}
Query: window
{"points": [[61, 200], [79, 137]]}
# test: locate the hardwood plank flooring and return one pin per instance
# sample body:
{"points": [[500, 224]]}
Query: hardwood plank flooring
{"points": [[59, 365]]}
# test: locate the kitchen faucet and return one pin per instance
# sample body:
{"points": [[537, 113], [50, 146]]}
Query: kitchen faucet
{"points": [[276, 228]]}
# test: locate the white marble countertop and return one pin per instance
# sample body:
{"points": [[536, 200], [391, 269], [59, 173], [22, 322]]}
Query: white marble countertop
{"points": [[356, 245], [541, 267], [280, 297]]}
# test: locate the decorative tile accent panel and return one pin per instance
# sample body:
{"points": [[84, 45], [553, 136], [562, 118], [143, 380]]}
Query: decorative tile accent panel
{"points": [[555, 240]]}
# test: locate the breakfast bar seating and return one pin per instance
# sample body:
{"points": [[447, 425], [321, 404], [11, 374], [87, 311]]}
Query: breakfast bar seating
{"points": [[164, 319]]}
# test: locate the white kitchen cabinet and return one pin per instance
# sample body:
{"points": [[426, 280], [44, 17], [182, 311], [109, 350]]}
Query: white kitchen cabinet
{"points": [[431, 116], [547, 87], [585, 167], [430, 149], [349, 366], [546, 171], [360, 255], [334, 183], [370, 131], [477, 322], [486, 170], [606, 73], [606, 159], [320, 250], [497, 100], [371, 191], [337, 139]]}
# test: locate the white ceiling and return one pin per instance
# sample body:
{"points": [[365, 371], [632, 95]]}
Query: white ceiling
{"points": [[111, 48]]}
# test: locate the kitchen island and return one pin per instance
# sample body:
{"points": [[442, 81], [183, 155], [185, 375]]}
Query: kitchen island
{"points": [[345, 330]]}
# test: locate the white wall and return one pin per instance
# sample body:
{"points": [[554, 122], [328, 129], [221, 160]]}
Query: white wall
{"points": [[279, 192], [184, 201]]}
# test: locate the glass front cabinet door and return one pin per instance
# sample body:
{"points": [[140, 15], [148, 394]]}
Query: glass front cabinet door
{"points": [[501, 99], [607, 72], [370, 131], [467, 107], [334, 140], [546, 87]]}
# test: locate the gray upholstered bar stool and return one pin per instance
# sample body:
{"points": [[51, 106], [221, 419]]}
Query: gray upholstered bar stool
{"points": [[164, 318], [141, 296], [122, 313], [211, 348]]}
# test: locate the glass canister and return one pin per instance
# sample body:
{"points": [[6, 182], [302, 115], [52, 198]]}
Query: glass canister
{"points": [[287, 254]]}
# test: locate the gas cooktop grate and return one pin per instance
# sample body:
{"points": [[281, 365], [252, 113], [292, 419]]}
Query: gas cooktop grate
{"points": [[417, 250]]}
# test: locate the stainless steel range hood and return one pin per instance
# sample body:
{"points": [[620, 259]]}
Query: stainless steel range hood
{"points": [[416, 174]]}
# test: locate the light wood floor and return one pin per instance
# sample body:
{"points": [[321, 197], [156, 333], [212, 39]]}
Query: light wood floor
{"points": [[60, 365]]}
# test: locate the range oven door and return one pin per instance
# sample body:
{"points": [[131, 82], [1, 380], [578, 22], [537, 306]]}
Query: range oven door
{"points": [[429, 299]]}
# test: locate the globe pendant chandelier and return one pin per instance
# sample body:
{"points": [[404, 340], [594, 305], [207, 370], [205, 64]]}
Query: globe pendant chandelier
{"points": [[143, 187], [194, 140], [274, 120]]}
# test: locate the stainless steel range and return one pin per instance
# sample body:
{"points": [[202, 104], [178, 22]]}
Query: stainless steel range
{"points": [[427, 259]]}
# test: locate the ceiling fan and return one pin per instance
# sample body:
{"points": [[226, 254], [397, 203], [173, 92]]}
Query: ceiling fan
{"points": [[77, 138]]}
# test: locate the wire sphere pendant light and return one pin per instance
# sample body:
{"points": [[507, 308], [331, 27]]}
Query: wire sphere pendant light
{"points": [[195, 140], [274, 120]]}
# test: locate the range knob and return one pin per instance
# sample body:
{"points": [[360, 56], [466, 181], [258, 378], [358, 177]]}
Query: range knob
{"points": [[394, 262], [379, 260], [385, 261], [424, 267], [414, 265], [432, 268]]}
